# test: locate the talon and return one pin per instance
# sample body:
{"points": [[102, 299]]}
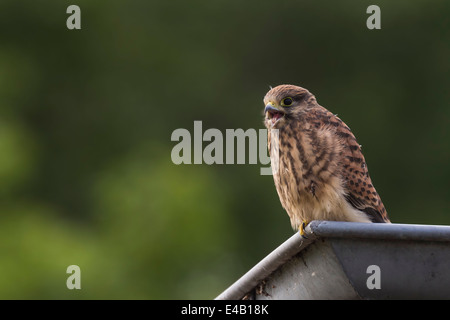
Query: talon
{"points": [[302, 229]]}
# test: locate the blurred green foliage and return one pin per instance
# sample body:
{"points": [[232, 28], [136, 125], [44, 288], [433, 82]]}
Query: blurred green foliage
{"points": [[86, 176]]}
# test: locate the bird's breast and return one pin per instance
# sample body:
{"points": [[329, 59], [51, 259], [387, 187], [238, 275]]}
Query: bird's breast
{"points": [[307, 180]]}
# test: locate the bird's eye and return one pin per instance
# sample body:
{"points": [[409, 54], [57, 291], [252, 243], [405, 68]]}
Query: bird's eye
{"points": [[287, 102]]}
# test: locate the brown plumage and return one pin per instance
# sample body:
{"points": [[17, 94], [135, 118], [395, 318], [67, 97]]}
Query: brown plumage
{"points": [[322, 173]]}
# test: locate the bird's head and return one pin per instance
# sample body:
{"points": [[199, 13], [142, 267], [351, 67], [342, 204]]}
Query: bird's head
{"points": [[285, 103]]}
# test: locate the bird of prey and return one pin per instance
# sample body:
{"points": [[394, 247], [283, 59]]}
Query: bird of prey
{"points": [[322, 173]]}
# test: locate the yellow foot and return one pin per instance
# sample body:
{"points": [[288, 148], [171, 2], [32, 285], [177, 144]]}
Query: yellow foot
{"points": [[302, 229]]}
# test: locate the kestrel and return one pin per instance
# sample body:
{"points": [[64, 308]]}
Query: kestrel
{"points": [[322, 173]]}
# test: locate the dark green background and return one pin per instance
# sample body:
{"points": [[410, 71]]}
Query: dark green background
{"points": [[86, 176]]}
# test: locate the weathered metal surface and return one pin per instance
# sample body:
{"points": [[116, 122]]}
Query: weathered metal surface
{"points": [[265, 267], [387, 231], [314, 273], [335, 262], [407, 269]]}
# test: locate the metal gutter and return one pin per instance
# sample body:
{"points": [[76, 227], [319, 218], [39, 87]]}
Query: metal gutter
{"points": [[266, 267], [387, 231], [334, 263]]}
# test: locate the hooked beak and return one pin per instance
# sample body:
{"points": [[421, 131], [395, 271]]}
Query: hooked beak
{"points": [[273, 114], [270, 108]]}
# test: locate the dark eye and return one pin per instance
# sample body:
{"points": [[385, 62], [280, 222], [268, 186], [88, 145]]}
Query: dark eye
{"points": [[287, 101]]}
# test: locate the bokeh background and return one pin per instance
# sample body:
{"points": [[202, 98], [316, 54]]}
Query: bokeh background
{"points": [[86, 175]]}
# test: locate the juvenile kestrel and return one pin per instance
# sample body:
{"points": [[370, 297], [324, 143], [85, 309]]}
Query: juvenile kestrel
{"points": [[322, 173]]}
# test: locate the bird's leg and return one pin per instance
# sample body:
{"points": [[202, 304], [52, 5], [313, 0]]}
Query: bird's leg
{"points": [[302, 227]]}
